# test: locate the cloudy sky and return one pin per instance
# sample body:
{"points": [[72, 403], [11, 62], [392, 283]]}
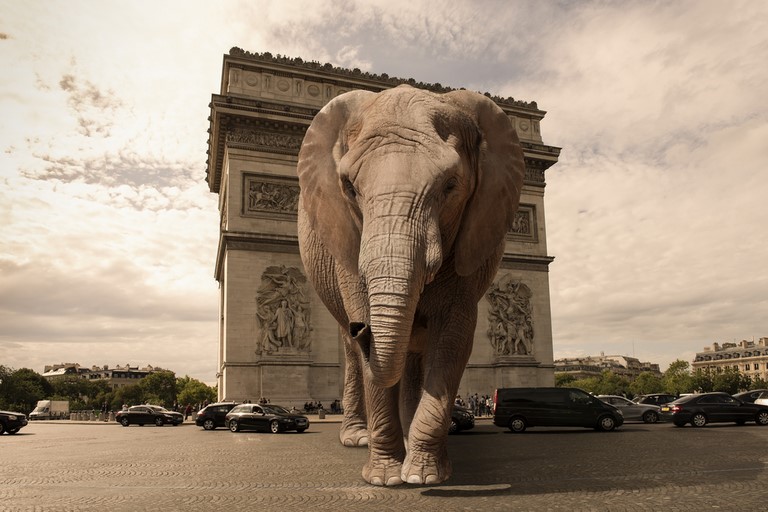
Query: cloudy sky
{"points": [[656, 212]]}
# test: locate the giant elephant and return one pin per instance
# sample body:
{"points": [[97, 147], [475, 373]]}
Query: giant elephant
{"points": [[406, 196]]}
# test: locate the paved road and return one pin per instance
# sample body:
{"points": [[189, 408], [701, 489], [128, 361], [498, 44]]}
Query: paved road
{"points": [[106, 467]]}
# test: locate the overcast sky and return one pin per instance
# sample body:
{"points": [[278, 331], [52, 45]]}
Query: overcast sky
{"points": [[656, 212]]}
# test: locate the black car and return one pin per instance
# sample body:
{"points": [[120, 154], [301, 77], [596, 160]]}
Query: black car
{"points": [[214, 415], [268, 417], [148, 414], [11, 422], [750, 396], [698, 410], [461, 419], [656, 399]]}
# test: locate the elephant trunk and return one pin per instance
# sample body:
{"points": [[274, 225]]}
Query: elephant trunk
{"points": [[395, 274]]}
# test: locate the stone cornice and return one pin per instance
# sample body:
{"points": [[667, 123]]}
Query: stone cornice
{"points": [[526, 262], [355, 73]]}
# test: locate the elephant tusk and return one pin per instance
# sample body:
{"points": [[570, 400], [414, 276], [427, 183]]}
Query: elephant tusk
{"points": [[361, 333]]}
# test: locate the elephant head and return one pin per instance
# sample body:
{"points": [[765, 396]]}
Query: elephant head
{"points": [[403, 187]]}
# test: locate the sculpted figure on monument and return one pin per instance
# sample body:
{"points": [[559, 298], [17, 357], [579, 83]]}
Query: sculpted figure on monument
{"points": [[510, 318], [406, 196], [282, 311]]}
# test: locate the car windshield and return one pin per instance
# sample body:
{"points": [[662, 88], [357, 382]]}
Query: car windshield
{"points": [[275, 409]]}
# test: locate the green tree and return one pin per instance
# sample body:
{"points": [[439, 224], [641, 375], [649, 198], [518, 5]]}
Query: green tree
{"points": [[645, 384], [192, 391], [730, 381], [26, 388], [127, 395], [564, 380], [6, 398], [702, 381], [160, 387], [677, 379]]}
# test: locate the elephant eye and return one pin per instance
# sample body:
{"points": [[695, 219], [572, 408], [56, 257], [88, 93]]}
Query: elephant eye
{"points": [[349, 189], [450, 185]]}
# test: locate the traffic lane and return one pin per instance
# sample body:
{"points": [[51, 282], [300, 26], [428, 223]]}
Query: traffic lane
{"points": [[634, 458], [640, 467]]}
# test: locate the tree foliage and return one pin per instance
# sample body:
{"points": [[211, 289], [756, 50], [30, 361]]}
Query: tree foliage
{"points": [[192, 391], [160, 388]]}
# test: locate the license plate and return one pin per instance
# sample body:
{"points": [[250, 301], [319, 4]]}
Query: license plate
{"points": [[665, 409]]}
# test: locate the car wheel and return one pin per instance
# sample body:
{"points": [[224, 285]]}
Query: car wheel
{"points": [[698, 420], [650, 417], [159, 422], [125, 422], [2, 429], [453, 427], [234, 426], [13, 431], [274, 427], [606, 423], [517, 424], [209, 424], [762, 418]]}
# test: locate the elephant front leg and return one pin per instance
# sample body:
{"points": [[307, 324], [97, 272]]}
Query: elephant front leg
{"points": [[386, 450], [427, 460], [354, 426]]}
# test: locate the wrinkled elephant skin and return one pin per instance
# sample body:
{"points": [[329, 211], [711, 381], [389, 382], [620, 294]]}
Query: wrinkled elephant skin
{"points": [[405, 199]]}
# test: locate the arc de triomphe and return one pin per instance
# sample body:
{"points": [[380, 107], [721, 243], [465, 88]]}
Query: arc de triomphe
{"points": [[276, 339]]}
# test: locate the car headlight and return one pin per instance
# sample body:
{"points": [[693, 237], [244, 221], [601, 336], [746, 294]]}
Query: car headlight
{"points": [[13, 416]]}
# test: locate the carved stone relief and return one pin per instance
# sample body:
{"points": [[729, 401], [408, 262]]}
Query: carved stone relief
{"points": [[283, 312], [265, 139], [510, 318], [265, 195], [524, 224]]}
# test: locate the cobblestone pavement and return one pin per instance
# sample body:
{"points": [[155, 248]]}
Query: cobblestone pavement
{"points": [[106, 467]]}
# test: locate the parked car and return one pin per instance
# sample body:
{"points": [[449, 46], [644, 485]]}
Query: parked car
{"points": [[520, 408], [12, 422], [750, 396], [147, 414], [631, 411], [461, 419], [698, 410], [656, 399], [214, 415], [267, 417]]}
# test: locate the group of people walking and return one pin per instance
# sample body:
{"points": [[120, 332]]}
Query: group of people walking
{"points": [[479, 405]]}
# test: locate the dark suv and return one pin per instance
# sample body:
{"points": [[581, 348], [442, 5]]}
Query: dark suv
{"points": [[214, 415], [11, 422], [520, 408]]}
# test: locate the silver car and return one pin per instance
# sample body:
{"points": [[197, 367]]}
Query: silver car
{"points": [[633, 412]]}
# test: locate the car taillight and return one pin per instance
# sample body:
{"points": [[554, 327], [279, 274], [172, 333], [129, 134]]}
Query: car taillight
{"points": [[675, 408]]}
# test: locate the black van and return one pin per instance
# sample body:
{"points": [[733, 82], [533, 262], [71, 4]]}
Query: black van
{"points": [[520, 408]]}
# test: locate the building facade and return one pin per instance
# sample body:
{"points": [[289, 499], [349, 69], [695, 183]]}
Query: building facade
{"points": [[593, 366], [276, 339], [117, 376], [748, 357]]}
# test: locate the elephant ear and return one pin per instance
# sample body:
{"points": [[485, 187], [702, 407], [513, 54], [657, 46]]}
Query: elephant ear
{"points": [[491, 209], [322, 198]]}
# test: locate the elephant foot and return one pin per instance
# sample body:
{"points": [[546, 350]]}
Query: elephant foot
{"points": [[426, 468], [354, 435], [383, 471]]}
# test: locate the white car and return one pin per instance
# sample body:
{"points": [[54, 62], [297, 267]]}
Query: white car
{"points": [[646, 413], [762, 399]]}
